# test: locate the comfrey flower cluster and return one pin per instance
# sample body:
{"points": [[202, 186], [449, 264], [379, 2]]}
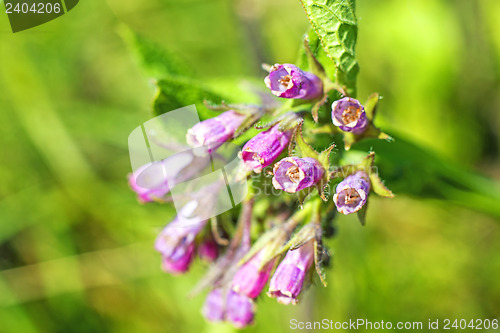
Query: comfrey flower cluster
{"points": [[270, 244]]}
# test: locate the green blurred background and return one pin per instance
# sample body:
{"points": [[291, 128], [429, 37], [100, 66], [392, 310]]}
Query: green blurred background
{"points": [[76, 250]]}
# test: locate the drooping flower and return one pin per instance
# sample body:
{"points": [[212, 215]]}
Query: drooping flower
{"points": [[176, 243], [289, 81], [215, 131], [231, 306], [252, 276], [154, 180], [262, 149], [293, 174], [288, 279], [208, 250], [149, 182], [349, 115], [352, 192], [180, 259], [240, 309], [214, 307]]}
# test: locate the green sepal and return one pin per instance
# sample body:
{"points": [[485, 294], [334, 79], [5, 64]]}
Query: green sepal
{"points": [[324, 158], [246, 124], [370, 132], [367, 163], [271, 242], [303, 195], [378, 186], [326, 129], [305, 149], [253, 113], [362, 214], [371, 106], [289, 121], [328, 86], [317, 105], [319, 252], [305, 234], [315, 66]]}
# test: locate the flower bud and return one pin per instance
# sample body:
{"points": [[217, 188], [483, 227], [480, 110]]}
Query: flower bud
{"points": [[240, 310], [149, 182], [293, 174], [252, 276], [214, 306], [289, 81], [233, 307], [176, 244], [262, 149], [180, 259], [215, 131], [288, 279], [208, 250], [154, 180], [349, 115], [352, 192]]}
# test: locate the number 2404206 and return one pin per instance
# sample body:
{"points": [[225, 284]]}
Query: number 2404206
{"points": [[35, 8], [477, 324]]}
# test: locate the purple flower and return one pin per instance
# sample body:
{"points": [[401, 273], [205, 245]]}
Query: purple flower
{"points": [[289, 81], [233, 307], [208, 250], [214, 307], [349, 115], [251, 278], [351, 193], [154, 180], [215, 131], [180, 260], [293, 174], [176, 244], [149, 182], [288, 280], [240, 310], [261, 150]]}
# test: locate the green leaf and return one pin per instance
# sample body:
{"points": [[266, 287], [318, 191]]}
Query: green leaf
{"points": [[176, 87], [335, 24], [177, 92], [413, 170], [156, 61]]}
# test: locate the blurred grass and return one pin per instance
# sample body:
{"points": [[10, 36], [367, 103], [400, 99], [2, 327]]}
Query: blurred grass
{"points": [[76, 248]]}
